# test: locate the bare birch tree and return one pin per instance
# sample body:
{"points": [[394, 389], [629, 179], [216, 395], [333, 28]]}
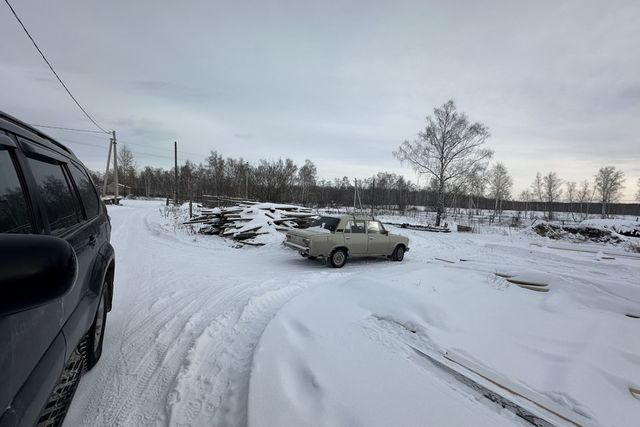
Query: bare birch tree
{"points": [[585, 197], [448, 147], [638, 193], [552, 191], [571, 196], [537, 190], [127, 166], [526, 197], [500, 185], [609, 184], [307, 176]]}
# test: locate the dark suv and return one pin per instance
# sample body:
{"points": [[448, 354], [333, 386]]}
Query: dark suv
{"points": [[56, 275]]}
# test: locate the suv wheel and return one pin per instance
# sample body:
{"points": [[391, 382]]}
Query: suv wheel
{"points": [[338, 258], [398, 254], [95, 336]]}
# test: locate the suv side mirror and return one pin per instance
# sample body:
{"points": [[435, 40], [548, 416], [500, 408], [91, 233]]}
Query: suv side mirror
{"points": [[34, 269]]}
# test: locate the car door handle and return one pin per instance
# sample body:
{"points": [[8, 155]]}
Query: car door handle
{"points": [[370, 237], [347, 238], [92, 240]]}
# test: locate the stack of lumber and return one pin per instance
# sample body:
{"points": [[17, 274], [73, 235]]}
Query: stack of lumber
{"points": [[252, 223]]}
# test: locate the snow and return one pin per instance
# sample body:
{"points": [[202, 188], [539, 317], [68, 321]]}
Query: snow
{"points": [[620, 226], [202, 333], [341, 355]]}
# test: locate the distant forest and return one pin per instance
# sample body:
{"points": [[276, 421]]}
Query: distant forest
{"points": [[282, 181]]}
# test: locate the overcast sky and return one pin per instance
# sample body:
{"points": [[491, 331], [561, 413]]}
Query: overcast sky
{"points": [[342, 83]]}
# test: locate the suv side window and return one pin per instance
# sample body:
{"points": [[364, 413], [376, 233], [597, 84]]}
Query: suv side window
{"points": [[60, 202], [87, 191], [14, 211]]}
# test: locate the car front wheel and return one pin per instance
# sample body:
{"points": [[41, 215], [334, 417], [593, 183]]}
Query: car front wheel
{"points": [[338, 258], [398, 254]]}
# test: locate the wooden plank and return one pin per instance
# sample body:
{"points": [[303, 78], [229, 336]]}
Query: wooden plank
{"points": [[535, 416], [536, 288], [541, 401]]}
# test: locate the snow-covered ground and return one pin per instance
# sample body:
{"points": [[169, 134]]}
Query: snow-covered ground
{"points": [[202, 333]]}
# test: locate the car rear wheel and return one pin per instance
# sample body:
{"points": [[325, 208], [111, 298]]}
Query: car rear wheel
{"points": [[95, 336], [338, 258], [398, 254]]}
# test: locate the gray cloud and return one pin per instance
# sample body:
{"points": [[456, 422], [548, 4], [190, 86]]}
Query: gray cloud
{"points": [[341, 83]]}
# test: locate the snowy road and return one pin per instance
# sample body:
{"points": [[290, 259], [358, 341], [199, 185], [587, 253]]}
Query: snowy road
{"points": [[186, 317], [189, 312]]}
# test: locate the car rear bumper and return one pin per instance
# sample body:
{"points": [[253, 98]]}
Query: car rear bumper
{"points": [[299, 248]]}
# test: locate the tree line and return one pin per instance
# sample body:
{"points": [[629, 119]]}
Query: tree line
{"points": [[450, 151]]}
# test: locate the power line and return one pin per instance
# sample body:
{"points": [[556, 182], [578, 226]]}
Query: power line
{"points": [[69, 129], [51, 68]]}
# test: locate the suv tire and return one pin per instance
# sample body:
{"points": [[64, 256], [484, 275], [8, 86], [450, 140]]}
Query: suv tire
{"points": [[338, 258], [95, 336], [398, 254]]}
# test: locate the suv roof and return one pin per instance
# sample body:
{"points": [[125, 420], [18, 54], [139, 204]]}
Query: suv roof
{"points": [[20, 128]]}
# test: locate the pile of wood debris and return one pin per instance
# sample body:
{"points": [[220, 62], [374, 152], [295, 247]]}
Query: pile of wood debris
{"points": [[421, 227], [252, 223]]}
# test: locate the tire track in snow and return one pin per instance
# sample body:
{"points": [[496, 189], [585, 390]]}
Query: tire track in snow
{"points": [[179, 343], [225, 349]]}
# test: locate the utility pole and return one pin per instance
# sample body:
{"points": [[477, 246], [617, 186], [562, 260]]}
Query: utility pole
{"points": [[373, 196], [175, 157], [355, 190], [190, 198], [246, 183], [115, 166], [106, 171]]}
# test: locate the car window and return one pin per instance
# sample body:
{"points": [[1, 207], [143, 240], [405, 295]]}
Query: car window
{"points": [[355, 227], [326, 222], [60, 202], [374, 227], [14, 212], [87, 191]]}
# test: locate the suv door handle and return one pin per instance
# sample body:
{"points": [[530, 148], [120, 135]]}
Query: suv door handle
{"points": [[370, 237], [347, 238], [92, 239]]}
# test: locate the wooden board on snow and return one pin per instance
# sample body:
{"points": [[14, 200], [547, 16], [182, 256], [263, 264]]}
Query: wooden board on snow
{"points": [[538, 399], [536, 288], [501, 391], [531, 278]]}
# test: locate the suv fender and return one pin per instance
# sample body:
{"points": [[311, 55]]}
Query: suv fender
{"points": [[106, 270]]}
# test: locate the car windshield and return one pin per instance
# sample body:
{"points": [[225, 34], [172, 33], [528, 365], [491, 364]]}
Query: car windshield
{"points": [[326, 222]]}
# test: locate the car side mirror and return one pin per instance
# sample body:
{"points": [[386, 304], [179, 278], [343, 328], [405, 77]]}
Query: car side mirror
{"points": [[34, 269], [385, 232]]}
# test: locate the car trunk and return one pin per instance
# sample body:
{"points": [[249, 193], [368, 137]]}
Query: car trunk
{"points": [[297, 236]]}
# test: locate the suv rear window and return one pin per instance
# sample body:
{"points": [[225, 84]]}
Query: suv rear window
{"points": [[87, 191], [59, 201], [14, 212]]}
